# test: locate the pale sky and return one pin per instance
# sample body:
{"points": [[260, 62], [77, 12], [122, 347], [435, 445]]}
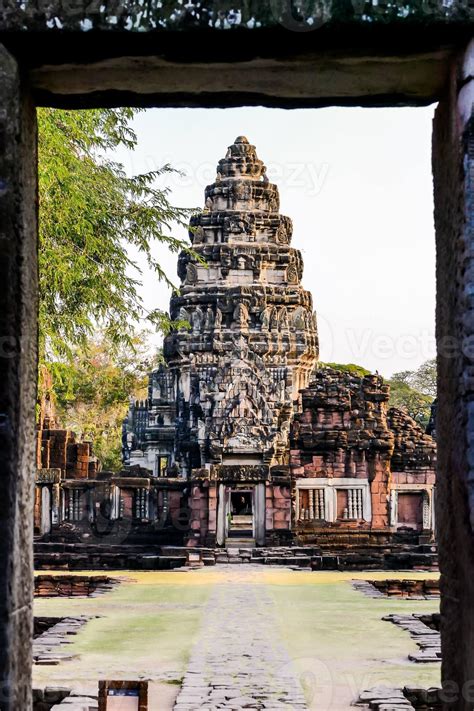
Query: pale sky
{"points": [[357, 184]]}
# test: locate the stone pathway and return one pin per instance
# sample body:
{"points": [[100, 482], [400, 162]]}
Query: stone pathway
{"points": [[239, 661]]}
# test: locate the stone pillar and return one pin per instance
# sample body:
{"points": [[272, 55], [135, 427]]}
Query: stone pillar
{"points": [[18, 355], [45, 510], [260, 514], [221, 516], [453, 171]]}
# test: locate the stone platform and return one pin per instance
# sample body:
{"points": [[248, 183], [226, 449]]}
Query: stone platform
{"points": [[55, 556]]}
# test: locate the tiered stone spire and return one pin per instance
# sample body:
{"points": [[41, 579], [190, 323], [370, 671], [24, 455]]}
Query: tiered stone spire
{"points": [[252, 342]]}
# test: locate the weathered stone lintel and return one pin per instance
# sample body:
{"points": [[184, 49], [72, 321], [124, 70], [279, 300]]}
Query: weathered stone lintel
{"points": [[299, 81], [244, 472]]}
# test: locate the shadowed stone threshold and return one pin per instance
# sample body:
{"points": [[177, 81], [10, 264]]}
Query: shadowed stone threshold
{"points": [[239, 660]]}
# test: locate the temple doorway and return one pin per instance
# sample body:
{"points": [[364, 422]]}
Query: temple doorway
{"points": [[241, 523], [241, 514], [410, 510]]}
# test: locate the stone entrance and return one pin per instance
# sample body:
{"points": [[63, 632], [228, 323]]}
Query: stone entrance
{"points": [[117, 64], [241, 514], [410, 510]]}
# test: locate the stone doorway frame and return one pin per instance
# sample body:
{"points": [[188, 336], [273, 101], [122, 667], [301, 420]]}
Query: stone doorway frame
{"points": [[257, 492], [247, 490], [348, 58]]}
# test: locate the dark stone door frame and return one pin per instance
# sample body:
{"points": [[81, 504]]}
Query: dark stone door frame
{"points": [[346, 62]]}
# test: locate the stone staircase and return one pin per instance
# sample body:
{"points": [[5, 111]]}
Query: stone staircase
{"points": [[290, 556], [242, 542]]}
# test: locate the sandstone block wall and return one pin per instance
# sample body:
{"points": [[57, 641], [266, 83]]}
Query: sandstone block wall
{"points": [[345, 433], [58, 449]]}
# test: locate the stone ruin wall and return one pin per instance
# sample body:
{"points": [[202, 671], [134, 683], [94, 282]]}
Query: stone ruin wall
{"points": [[414, 455], [346, 435], [58, 449]]}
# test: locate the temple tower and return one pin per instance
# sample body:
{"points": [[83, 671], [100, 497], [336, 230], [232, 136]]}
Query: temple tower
{"points": [[219, 413], [252, 343]]}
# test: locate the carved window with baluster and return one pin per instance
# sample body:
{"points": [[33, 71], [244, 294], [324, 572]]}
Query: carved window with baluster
{"points": [[140, 503], [312, 504], [74, 504], [349, 504]]}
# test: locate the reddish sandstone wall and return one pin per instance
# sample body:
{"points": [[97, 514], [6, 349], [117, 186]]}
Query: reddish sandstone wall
{"points": [[414, 455], [199, 514], [379, 477], [277, 508], [58, 449], [342, 432], [72, 585]]}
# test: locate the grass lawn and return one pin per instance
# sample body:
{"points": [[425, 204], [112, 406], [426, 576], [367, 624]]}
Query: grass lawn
{"points": [[147, 628], [338, 641], [334, 634]]}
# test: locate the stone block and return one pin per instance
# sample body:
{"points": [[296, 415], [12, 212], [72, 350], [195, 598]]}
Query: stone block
{"points": [[282, 504], [281, 525]]}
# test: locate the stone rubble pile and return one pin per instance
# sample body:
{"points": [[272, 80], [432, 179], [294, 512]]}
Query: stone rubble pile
{"points": [[73, 585], [426, 637], [413, 448], [48, 646], [409, 589], [58, 698], [384, 698]]}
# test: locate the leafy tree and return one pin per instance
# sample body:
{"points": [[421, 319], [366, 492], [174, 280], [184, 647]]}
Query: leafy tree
{"points": [[411, 401], [423, 379], [414, 391], [93, 387], [94, 221]]}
